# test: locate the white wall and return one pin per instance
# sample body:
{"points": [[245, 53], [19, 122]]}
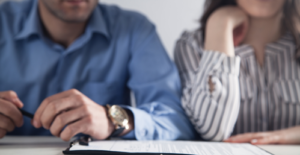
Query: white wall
{"points": [[171, 17]]}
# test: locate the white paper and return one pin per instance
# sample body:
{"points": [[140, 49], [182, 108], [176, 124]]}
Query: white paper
{"points": [[184, 147]]}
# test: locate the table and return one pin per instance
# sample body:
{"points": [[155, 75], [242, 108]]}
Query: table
{"points": [[282, 149], [14, 145], [27, 145]]}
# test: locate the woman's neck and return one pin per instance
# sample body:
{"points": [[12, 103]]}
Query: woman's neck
{"points": [[261, 32]]}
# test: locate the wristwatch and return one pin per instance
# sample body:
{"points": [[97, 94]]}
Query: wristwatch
{"points": [[119, 118]]}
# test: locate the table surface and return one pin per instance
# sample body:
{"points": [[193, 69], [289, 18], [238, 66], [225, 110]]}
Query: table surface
{"points": [[14, 145]]}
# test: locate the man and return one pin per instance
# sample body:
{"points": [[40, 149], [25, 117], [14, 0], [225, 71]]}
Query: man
{"points": [[65, 60]]}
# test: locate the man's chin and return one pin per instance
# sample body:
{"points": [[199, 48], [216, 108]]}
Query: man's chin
{"points": [[74, 19]]}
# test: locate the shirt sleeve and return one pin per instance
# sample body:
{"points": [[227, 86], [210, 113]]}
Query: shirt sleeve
{"points": [[155, 82], [212, 112]]}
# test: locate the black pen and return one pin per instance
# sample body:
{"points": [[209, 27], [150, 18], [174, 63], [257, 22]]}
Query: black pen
{"points": [[25, 113]]}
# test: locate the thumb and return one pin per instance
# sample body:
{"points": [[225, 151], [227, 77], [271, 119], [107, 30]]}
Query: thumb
{"points": [[12, 97]]}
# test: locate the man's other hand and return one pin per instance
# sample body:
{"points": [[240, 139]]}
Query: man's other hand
{"points": [[71, 112], [10, 115]]}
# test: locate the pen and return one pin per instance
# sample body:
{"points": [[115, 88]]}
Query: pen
{"points": [[82, 140], [25, 113]]}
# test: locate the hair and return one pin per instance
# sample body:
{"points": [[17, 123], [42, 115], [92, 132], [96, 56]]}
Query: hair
{"points": [[291, 17]]}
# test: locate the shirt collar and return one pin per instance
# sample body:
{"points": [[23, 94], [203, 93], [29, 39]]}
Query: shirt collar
{"points": [[32, 26], [97, 23], [285, 43]]}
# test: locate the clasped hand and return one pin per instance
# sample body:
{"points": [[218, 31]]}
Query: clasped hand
{"points": [[64, 114]]}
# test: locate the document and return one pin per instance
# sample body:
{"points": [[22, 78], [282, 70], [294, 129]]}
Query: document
{"points": [[182, 147]]}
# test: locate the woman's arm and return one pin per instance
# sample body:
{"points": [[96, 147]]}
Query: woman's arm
{"points": [[225, 29], [210, 79], [285, 136]]}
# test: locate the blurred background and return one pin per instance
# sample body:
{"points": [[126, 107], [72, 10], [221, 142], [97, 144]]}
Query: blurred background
{"points": [[171, 17]]}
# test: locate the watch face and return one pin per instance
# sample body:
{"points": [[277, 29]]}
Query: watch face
{"points": [[119, 115]]}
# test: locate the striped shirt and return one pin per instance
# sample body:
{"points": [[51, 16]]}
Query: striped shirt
{"points": [[246, 96]]}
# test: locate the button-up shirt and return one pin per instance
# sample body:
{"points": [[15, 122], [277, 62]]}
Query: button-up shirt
{"points": [[246, 97], [118, 52]]}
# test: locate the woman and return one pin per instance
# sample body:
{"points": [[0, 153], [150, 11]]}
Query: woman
{"points": [[241, 72]]}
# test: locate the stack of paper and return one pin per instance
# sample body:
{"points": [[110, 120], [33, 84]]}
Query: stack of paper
{"points": [[182, 147]]}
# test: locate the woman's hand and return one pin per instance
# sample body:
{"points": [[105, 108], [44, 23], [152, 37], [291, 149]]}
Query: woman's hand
{"points": [[225, 29], [286, 136]]}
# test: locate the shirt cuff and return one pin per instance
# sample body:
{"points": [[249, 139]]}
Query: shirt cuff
{"points": [[213, 60], [129, 135], [143, 128]]}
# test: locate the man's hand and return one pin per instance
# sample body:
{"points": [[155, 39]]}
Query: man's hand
{"points": [[74, 111], [10, 115], [286, 136]]}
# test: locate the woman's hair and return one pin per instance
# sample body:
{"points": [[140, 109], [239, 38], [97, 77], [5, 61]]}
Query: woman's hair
{"points": [[291, 17]]}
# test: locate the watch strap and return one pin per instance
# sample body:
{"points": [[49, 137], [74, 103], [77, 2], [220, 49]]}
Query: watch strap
{"points": [[117, 132]]}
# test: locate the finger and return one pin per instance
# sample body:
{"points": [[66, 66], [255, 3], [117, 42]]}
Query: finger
{"points": [[240, 138], [244, 138], [12, 97], [6, 123], [58, 106], [244, 31], [271, 139], [2, 133], [44, 104], [66, 118], [80, 126], [12, 112], [239, 33], [246, 28]]}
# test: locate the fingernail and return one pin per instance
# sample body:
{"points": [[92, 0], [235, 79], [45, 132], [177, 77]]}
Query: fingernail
{"points": [[18, 102], [36, 123], [254, 141]]}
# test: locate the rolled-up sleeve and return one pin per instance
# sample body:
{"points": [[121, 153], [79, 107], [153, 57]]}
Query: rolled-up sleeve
{"points": [[213, 112], [155, 82]]}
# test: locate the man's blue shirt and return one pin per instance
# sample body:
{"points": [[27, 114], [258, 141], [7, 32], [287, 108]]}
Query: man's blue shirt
{"points": [[118, 52]]}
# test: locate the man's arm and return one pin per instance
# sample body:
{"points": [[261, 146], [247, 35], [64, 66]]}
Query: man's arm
{"points": [[156, 85]]}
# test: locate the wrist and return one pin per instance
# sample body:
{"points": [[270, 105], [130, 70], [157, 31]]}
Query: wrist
{"points": [[121, 120], [219, 37], [130, 123], [111, 126], [223, 22]]}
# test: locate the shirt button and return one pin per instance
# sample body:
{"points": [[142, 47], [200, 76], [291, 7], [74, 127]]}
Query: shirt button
{"points": [[144, 132]]}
